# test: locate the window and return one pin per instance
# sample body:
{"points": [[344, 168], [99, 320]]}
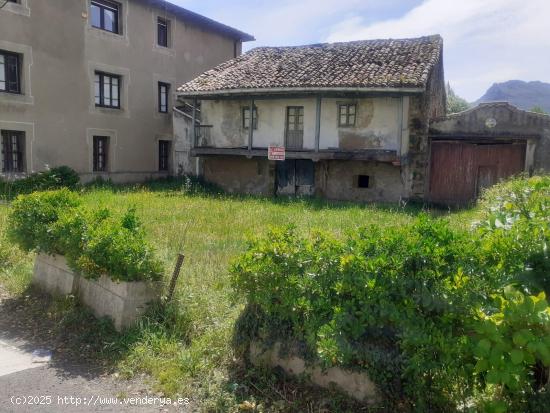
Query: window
{"points": [[107, 90], [164, 89], [346, 114], [105, 15], [164, 155], [363, 181], [13, 150], [101, 149], [162, 32], [10, 80], [246, 117]]}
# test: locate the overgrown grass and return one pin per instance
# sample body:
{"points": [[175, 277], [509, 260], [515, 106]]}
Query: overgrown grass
{"points": [[186, 347]]}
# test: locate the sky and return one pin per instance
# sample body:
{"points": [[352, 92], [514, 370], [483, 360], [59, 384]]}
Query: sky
{"points": [[485, 41]]}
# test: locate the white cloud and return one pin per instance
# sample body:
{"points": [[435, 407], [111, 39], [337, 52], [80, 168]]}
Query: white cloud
{"points": [[485, 41]]}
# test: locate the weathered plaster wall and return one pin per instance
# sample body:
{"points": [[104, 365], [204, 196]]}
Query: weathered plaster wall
{"points": [[338, 180], [60, 53], [240, 175], [378, 123]]}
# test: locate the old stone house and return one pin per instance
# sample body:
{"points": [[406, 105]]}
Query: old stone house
{"points": [[361, 121], [353, 119], [89, 83]]}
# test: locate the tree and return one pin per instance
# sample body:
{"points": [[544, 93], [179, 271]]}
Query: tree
{"points": [[455, 103], [538, 109]]}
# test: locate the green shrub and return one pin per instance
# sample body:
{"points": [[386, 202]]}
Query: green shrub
{"points": [[94, 242], [58, 177], [408, 304], [515, 230], [395, 302], [510, 346], [32, 216]]}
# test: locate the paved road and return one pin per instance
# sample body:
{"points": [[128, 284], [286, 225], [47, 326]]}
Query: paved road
{"points": [[49, 385]]}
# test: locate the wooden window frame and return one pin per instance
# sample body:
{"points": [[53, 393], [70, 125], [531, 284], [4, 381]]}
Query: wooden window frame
{"points": [[347, 114], [245, 118], [102, 77], [164, 155], [100, 159], [13, 158], [162, 22], [103, 6], [11, 85], [160, 103]]}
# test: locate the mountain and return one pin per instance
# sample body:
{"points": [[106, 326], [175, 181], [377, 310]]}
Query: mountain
{"points": [[524, 95]]}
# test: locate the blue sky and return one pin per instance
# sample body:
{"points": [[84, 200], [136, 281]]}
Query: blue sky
{"points": [[485, 41]]}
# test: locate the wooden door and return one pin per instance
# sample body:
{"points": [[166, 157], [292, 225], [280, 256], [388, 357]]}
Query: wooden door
{"points": [[295, 177], [459, 171], [294, 130]]}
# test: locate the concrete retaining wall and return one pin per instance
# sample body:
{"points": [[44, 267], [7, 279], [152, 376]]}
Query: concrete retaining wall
{"points": [[123, 302], [355, 384]]}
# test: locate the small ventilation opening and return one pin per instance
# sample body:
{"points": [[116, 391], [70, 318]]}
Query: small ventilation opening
{"points": [[363, 181]]}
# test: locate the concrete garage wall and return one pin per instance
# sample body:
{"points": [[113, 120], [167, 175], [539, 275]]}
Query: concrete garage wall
{"points": [[60, 52], [123, 302], [240, 175], [498, 121], [338, 180]]}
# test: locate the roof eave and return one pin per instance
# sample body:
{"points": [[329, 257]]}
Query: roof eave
{"points": [[279, 91], [203, 21]]}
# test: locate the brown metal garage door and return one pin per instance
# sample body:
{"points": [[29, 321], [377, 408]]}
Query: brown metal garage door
{"points": [[459, 170]]}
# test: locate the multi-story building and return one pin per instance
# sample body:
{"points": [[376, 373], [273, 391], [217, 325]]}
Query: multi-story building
{"points": [[89, 83]]}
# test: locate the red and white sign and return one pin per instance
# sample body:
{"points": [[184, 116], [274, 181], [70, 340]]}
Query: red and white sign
{"points": [[276, 153]]}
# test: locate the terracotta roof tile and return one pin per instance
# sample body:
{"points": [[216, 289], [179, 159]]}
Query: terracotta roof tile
{"points": [[391, 63]]}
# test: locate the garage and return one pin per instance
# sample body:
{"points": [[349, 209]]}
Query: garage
{"points": [[460, 170], [477, 148]]}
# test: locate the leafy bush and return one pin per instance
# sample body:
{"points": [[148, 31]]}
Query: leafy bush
{"points": [[394, 302], [515, 230], [409, 304], [510, 346], [58, 177], [32, 216], [94, 242]]}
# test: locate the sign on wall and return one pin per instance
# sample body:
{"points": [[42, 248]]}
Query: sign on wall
{"points": [[276, 153]]}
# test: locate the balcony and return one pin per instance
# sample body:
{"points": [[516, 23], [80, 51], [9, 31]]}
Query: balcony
{"points": [[203, 136]]}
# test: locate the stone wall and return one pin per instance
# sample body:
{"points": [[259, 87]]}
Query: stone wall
{"points": [[237, 174], [339, 180], [355, 384], [123, 302]]}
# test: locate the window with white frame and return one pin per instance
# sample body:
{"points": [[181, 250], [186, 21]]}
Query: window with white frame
{"points": [[164, 94], [107, 90], [13, 151]]}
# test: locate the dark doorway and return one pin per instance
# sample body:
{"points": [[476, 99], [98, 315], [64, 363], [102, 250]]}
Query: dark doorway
{"points": [[459, 171], [295, 177]]}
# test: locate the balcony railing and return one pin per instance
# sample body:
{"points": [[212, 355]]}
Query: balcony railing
{"points": [[203, 136]]}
